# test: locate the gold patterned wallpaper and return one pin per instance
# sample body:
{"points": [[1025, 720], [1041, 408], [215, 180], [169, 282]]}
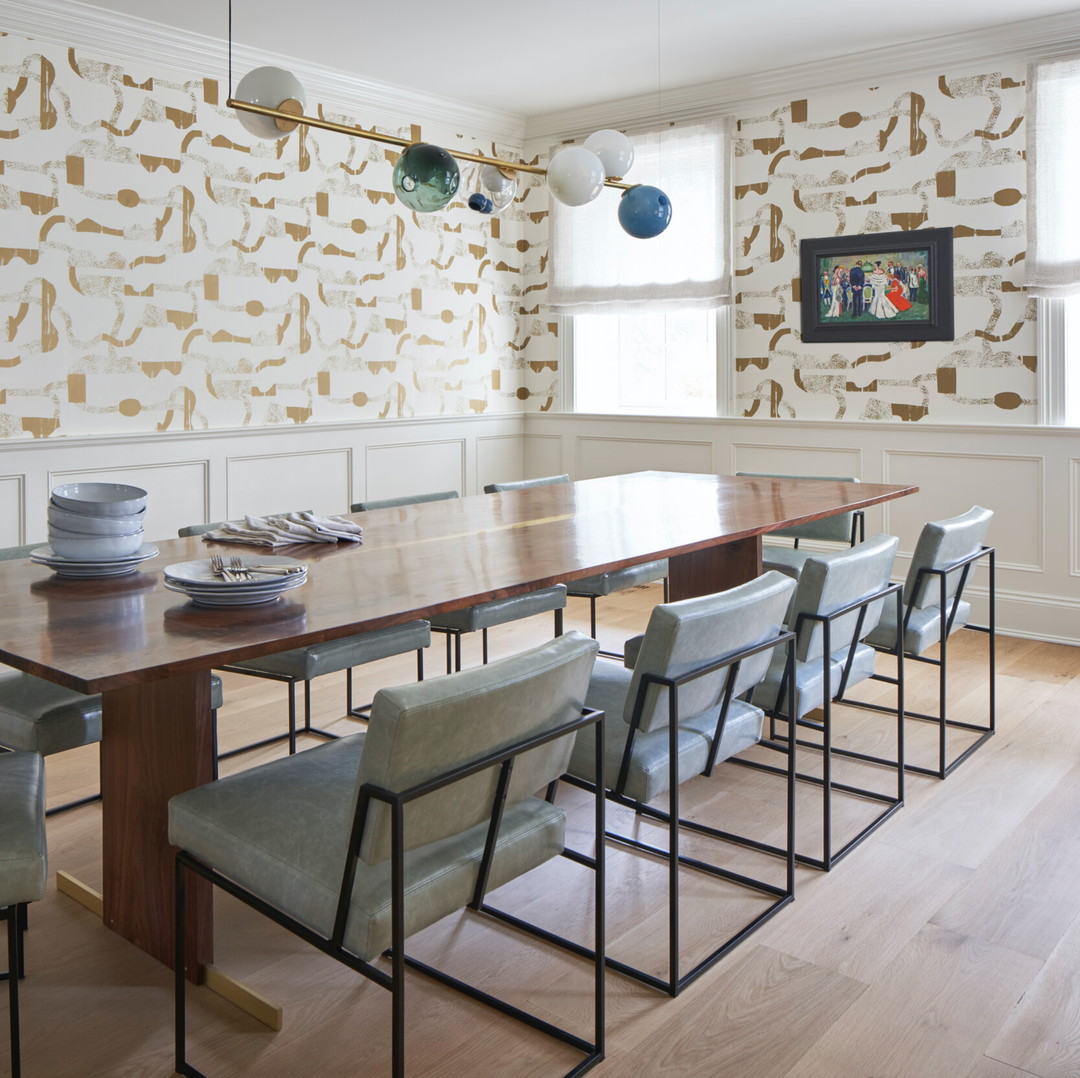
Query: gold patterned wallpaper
{"points": [[936, 152], [162, 270]]}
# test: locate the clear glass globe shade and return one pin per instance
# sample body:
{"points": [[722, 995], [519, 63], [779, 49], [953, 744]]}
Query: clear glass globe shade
{"points": [[614, 149], [269, 87], [575, 176]]}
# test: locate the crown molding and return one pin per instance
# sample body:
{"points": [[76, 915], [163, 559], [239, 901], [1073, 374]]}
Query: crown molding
{"points": [[125, 40], [1021, 42]]}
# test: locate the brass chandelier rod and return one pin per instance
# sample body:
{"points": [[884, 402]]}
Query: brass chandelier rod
{"points": [[291, 119]]}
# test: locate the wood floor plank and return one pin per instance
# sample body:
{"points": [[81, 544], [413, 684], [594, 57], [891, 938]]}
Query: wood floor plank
{"points": [[929, 1013], [1025, 895], [1042, 1034], [764, 1007]]}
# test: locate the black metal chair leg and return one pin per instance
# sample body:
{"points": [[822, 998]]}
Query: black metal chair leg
{"points": [[15, 965]]}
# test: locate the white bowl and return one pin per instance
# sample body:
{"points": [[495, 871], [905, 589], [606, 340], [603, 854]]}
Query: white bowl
{"points": [[100, 499], [94, 547], [85, 524]]}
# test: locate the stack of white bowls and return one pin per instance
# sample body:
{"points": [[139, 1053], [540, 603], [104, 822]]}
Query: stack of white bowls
{"points": [[96, 521]]}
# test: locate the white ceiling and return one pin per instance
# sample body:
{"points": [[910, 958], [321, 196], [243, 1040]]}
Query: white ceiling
{"points": [[541, 57]]}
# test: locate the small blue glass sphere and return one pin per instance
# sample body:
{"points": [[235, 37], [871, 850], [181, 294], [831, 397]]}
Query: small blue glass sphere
{"points": [[644, 212], [426, 177]]}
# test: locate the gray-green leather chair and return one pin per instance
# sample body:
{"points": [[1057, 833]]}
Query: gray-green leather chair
{"points": [[39, 716], [600, 584], [419, 816], [934, 608], [481, 616], [22, 866], [849, 528], [838, 603], [673, 717], [303, 665]]}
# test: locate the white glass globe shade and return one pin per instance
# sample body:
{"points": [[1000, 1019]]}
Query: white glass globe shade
{"points": [[269, 87], [614, 149], [575, 176]]}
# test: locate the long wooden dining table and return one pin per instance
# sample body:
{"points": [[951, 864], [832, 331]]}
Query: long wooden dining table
{"points": [[149, 651]]}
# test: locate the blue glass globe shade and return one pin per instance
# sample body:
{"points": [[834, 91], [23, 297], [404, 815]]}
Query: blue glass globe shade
{"points": [[426, 177], [644, 212]]}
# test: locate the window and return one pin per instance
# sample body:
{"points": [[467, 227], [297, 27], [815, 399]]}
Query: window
{"points": [[645, 327], [662, 363], [1053, 255]]}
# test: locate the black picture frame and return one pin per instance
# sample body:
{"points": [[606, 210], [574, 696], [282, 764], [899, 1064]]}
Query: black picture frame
{"points": [[928, 295]]}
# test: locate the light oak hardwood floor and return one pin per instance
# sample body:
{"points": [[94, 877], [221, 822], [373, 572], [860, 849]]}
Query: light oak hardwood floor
{"points": [[946, 946]]}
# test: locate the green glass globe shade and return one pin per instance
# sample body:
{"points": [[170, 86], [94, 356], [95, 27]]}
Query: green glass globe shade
{"points": [[426, 177]]}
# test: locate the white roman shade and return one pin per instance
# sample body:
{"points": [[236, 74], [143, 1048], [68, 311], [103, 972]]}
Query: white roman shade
{"points": [[1053, 164], [597, 268]]}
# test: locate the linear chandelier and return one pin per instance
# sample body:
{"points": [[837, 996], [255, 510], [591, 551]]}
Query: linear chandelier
{"points": [[270, 104]]}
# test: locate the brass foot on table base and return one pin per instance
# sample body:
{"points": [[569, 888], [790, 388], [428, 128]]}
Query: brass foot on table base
{"points": [[86, 896], [248, 1000]]}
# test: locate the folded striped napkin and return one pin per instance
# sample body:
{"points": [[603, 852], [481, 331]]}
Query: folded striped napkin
{"points": [[286, 529]]}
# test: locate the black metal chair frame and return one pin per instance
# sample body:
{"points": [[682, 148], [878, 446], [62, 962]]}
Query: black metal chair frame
{"points": [[292, 733], [15, 916], [453, 642], [677, 981], [986, 732], [395, 981], [592, 615], [783, 743]]}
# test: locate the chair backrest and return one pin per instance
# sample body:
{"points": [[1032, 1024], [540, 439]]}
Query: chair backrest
{"points": [[407, 499], [526, 484], [420, 731], [22, 828], [10, 553], [839, 528], [943, 543], [691, 633], [200, 529], [830, 582]]}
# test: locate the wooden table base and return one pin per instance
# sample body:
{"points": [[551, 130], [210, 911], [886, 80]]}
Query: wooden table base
{"points": [[153, 747]]}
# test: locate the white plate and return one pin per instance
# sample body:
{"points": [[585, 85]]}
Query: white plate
{"points": [[45, 555], [79, 572], [247, 597], [199, 572], [268, 587]]}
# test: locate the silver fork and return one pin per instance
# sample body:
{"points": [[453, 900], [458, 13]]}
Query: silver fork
{"points": [[217, 566], [236, 567]]}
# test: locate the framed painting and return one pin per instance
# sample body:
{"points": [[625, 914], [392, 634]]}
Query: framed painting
{"points": [[884, 286]]}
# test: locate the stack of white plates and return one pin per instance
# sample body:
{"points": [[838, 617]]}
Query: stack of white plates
{"points": [[87, 568], [198, 581]]}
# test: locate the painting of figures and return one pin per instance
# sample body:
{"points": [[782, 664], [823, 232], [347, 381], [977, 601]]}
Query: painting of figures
{"points": [[878, 287]]}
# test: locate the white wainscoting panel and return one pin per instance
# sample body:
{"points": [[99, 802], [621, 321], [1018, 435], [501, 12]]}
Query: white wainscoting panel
{"points": [[176, 493], [281, 482], [951, 483], [500, 458], [12, 510], [795, 459], [1074, 516], [404, 468], [610, 456], [543, 455]]}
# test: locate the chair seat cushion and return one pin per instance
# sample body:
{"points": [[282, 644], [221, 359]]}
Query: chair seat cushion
{"points": [[280, 830], [810, 679], [923, 628], [22, 828], [788, 560], [618, 579], [304, 664], [650, 773], [500, 611], [38, 716]]}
